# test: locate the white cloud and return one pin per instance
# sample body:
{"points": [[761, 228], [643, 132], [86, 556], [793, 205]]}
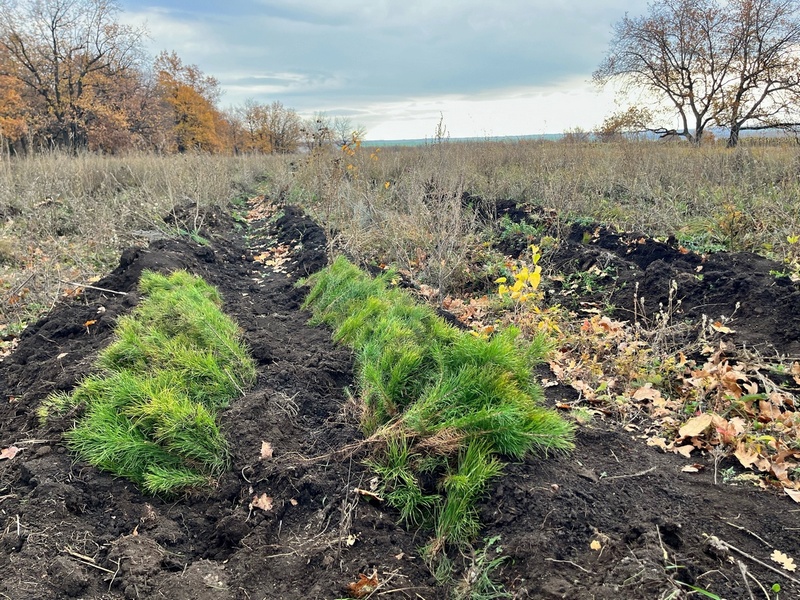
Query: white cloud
{"points": [[522, 111], [501, 68]]}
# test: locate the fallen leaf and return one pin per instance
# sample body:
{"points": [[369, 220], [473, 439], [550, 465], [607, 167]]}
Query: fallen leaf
{"points": [[351, 540], [796, 372], [793, 494], [292, 501], [89, 323], [747, 456], [646, 392], [266, 450], [718, 326], [368, 493], [696, 425], [364, 586], [263, 502], [62, 355], [684, 450], [595, 545], [695, 468], [8, 453], [783, 560], [658, 442]]}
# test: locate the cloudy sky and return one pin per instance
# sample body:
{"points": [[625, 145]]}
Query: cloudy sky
{"points": [[507, 67]]}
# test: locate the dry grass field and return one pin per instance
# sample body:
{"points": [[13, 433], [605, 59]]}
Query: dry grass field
{"points": [[658, 283]]}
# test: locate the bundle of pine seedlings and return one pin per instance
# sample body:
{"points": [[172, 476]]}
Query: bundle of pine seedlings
{"points": [[445, 404], [149, 412]]}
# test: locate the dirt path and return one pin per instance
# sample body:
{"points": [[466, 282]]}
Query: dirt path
{"points": [[68, 531]]}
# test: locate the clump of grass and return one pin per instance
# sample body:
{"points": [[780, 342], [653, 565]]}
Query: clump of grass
{"points": [[447, 404], [149, 413]]}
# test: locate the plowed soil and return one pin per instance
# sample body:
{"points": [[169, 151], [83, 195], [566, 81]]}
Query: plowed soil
{"points": [[69, 531]]}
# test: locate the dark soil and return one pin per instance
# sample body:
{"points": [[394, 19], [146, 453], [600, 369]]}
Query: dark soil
{"points": [[69, 531]]}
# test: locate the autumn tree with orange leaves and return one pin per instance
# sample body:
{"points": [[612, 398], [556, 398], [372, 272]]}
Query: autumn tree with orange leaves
{"points": [[192, 97], [268, 128], [54, 51]]}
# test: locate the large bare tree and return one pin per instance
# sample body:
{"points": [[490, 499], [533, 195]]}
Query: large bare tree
{"points": [[56, 48], [731, 64]]}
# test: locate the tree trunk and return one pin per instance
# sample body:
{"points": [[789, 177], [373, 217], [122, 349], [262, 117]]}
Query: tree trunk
{"points": [[733, 138]]}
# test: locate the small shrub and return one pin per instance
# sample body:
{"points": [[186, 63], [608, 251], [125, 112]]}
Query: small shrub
{"points": [[149, 413], [446, 404]]}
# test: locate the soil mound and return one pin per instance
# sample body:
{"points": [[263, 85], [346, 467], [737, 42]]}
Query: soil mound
{"points": [[69, 531]]}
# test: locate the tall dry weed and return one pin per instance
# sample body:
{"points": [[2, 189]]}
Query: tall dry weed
{"points": [[66, 218]]}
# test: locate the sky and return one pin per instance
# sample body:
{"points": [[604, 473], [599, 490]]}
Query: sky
{"points": [[396, 67]]}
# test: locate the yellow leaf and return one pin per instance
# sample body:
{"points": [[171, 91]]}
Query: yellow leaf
{"points": [[595, 545], [535, 278], [783, 560], [718, 326], [500, 280]]}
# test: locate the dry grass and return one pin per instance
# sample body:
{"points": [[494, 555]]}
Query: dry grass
{"points": [[710, 198], [66, 218], [425, 209]]}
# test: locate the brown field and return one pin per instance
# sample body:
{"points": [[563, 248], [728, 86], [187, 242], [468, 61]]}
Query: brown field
{"points": [[669, 291]]}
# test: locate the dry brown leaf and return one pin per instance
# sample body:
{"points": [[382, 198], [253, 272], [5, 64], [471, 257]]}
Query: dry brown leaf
{"points": [[718, 326], [695, 468], [8, 453], [263, 502], [745, 455], [658, 442], [684, 450], [646, 392], [783, 560], [793, 494], [364, 586], [796, 372], [696, 425], [266, 450]]}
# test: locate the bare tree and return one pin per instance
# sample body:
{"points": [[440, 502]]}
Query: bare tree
{"points": [[55, 48], [317, 132], [730, 63], [345, 132]]}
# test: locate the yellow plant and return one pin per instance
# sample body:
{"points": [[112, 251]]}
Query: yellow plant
{"points": [[526, 280]]}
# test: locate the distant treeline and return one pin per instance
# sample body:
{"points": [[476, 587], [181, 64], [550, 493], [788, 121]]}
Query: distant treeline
{"points": [[73, 76]]}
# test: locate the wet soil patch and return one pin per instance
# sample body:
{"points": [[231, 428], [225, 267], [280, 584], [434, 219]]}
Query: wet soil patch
{"points": [[69, 531]]}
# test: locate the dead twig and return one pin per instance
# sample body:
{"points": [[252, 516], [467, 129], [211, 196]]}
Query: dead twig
{"points": [[85, 560], [758, 537], [743, 569], [639, 474], [93, 287], [569, 562], [721, 544]]}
